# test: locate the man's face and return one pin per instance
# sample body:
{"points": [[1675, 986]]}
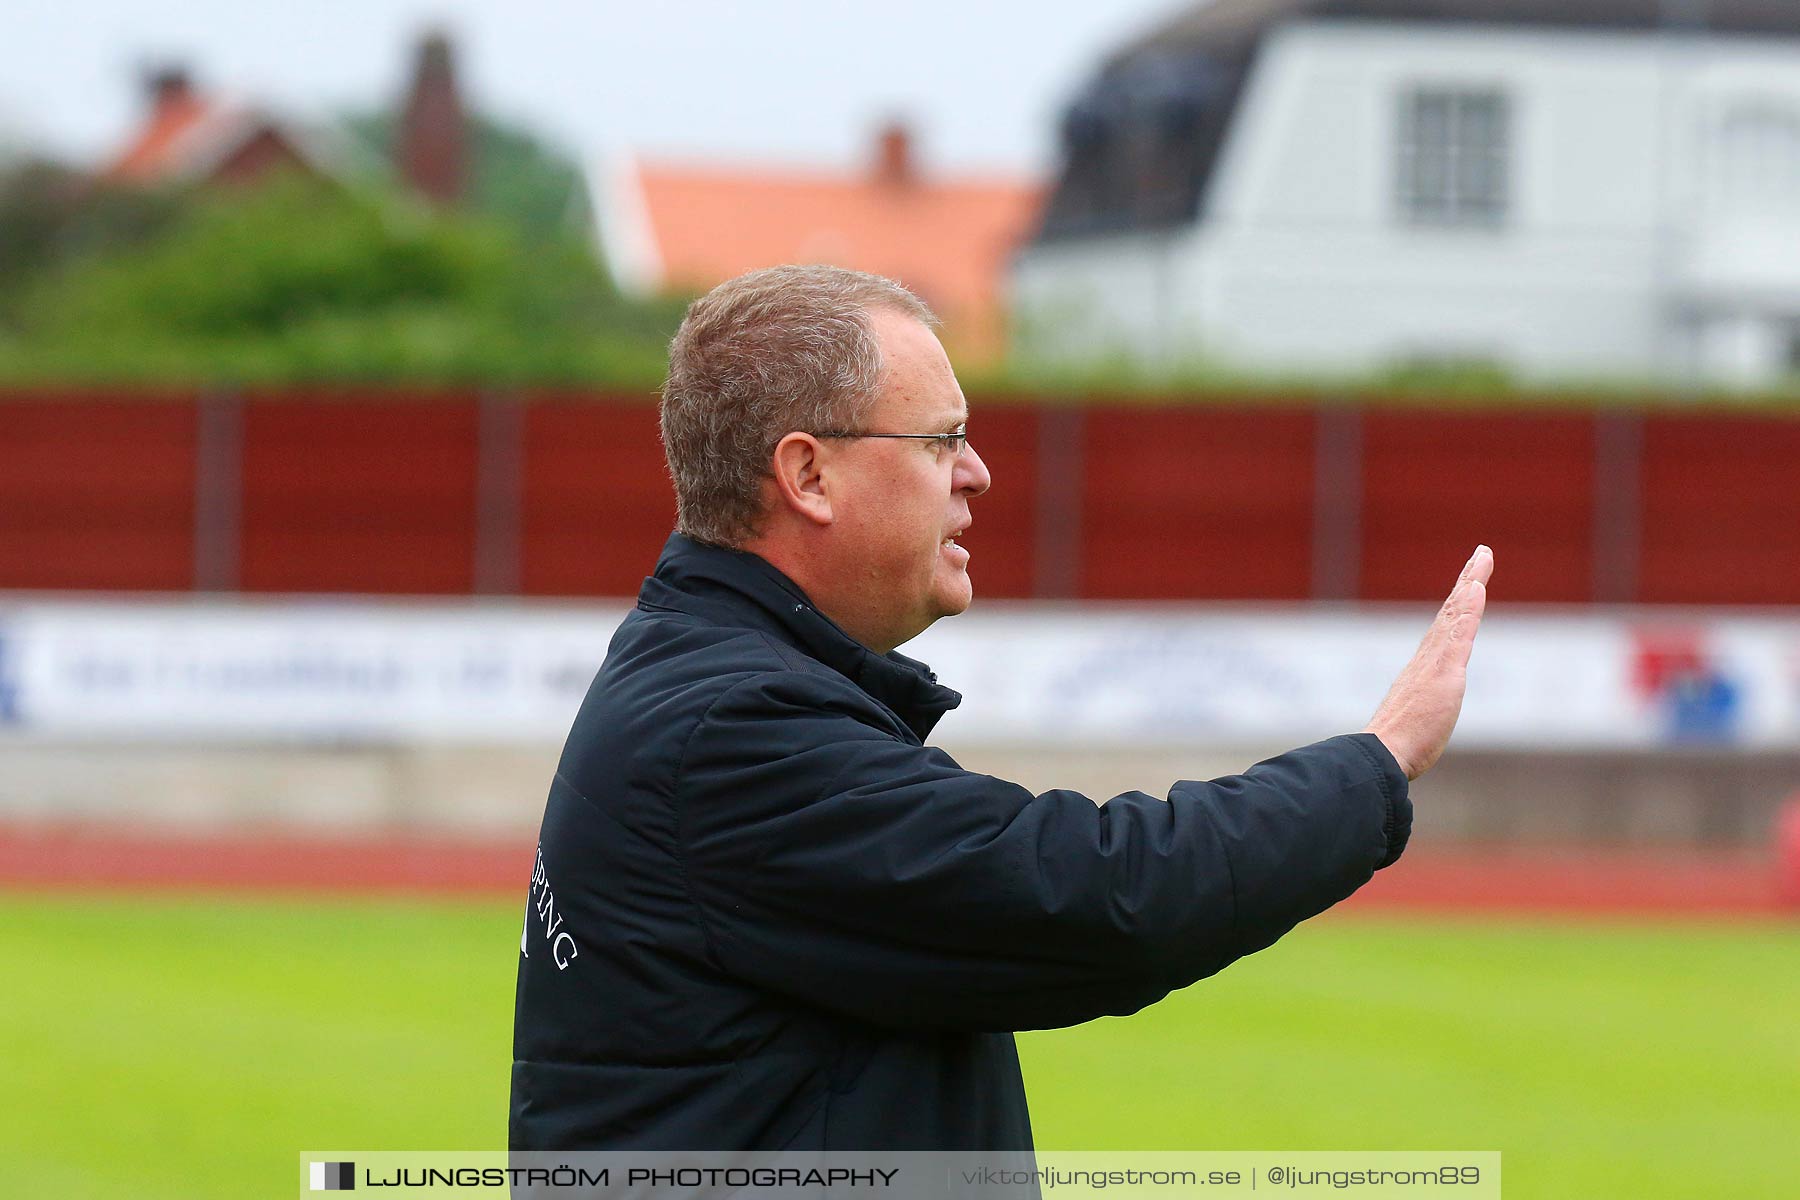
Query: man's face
{"points": [[904, 500]]}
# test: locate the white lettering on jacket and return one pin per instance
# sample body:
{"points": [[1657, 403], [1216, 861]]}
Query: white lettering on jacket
{"points": [[543, 903]]}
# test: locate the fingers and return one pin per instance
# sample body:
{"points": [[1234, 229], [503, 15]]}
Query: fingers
{"points": [[1417, 717], [1481, 566], [1476, 574], [1471, 585], [1462, 625], [1462, 609], [1477, 599]]}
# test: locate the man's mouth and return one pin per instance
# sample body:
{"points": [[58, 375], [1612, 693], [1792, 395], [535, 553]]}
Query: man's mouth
{"points": [[957, 554]]}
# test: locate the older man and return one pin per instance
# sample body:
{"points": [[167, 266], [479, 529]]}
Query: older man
{"points": [[765, 915]]}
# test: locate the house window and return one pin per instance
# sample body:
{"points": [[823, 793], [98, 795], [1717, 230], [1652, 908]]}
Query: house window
{"points": [[1454, 155]]}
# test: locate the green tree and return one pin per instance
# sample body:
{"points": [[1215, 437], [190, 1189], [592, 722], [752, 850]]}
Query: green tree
{"points": [[301, 280], [51, 216], [514, 178]]}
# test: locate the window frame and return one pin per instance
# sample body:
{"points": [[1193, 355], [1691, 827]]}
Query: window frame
{"points": [[1454, 156]]}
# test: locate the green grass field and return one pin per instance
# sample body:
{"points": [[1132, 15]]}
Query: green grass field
{"points": [[158, 1047]]}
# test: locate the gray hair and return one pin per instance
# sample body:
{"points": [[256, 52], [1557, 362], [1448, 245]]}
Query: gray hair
{"points": [[757, 358]]}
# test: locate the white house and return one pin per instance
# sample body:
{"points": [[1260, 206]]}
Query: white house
{"points": [[1568, 188]]}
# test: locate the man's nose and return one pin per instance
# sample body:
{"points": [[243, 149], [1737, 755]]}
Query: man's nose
{"points": [[971, 473]]}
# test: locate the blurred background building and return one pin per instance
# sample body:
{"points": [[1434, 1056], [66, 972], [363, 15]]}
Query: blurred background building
{"points": [[186, 138], [668, 226], [1559, 189]]}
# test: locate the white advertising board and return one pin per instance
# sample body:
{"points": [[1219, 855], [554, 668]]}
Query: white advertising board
{"points": [[1124, 675], [354, 671], [368, 671]]}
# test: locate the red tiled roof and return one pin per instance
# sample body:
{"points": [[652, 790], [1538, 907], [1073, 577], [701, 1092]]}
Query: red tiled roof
{"points": [[949, 241], [150, 155]]}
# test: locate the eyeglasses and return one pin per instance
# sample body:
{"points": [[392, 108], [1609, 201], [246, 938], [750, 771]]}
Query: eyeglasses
{"points": [[952, 442]]}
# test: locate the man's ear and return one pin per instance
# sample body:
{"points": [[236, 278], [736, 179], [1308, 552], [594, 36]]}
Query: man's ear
{"points": [[800, 477]]}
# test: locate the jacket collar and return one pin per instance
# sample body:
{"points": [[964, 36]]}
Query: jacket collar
{"points": [[736, 588]]}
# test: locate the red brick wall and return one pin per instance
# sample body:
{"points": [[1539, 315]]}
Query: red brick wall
{"points": [[96, 491], [377, 492], [1434, 485], [359, 493], [1197, 504], [596, 504], [1002, 541], [1721, 510]]}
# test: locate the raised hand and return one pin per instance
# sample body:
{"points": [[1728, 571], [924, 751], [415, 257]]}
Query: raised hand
{"points": [[1415, 720]]}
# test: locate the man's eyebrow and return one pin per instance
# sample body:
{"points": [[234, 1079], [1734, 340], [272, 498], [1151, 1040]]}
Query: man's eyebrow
{"points": [[952, 424]]}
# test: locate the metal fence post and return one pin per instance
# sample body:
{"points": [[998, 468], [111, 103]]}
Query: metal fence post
{"points": [[218, 490], [499, 492], [1618, 504], [1061, 459], [1337, 502]]}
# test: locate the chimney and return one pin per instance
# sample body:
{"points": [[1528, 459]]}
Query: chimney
{"points": [[167, 87], [894, 155], [431, 144]]}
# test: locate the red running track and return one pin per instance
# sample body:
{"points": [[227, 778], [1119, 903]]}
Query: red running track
{"points": [[84, 859], [1510, 880]]}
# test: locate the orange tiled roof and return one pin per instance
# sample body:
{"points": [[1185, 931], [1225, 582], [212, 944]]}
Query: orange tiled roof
{"points": [[949, 241], [150, 155]]}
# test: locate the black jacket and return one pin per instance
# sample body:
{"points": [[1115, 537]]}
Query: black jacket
{"points": [[765, 915]]}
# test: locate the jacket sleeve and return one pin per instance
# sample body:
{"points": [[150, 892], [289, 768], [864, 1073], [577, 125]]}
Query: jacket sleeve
{"points": [[836, 863]]}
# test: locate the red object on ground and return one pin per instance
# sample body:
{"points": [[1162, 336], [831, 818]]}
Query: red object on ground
{"points": [[1787, 851], [1545, 881], [1568, 880], [73, 858]]}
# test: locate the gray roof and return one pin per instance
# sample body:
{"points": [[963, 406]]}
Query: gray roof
{"points": [[1140, 141], [1227, 22]]}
